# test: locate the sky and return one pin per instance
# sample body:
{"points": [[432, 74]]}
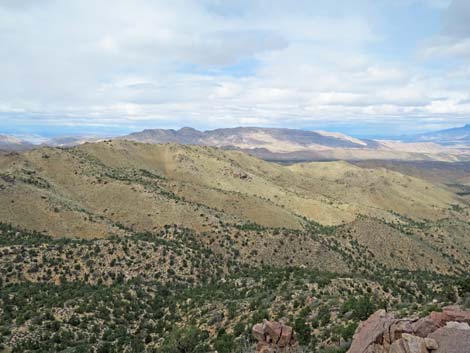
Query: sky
{"points": [[364, 67]]}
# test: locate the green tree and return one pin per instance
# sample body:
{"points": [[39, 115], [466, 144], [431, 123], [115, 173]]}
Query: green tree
{"points": [[186, 340]]}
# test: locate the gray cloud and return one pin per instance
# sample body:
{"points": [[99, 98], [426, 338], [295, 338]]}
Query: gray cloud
{"points": [[454, 39], [457, 19]]}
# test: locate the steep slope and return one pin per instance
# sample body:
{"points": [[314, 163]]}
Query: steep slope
{"points": [[206, 242], [374, 192], [149, 292], [121, 187], [455, 176], [91, 188]]}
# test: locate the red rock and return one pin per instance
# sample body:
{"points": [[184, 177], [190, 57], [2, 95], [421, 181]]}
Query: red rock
{"points": [[399, 327], [372, 331], [286, 337], [458, 325], [273, 329], [375, 348], [263, 347], [258, 332], [455, 313], [398, 347], [451, 340], [409, 344], [423, 327], [273, 337], [431, 343], [450, 313], [440, 332]]}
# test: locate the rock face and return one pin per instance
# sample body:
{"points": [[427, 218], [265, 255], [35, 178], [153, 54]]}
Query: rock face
{"points": [[274, 337], [451, 340], [440, 332], [372, 332]]}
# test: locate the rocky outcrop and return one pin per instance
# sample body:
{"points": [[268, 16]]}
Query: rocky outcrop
{"points": [[371, 332], [452, 339], [274, 337], [440, 332]]}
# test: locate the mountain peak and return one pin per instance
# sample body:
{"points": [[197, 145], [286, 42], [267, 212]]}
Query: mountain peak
{"points": [[187, 129]]}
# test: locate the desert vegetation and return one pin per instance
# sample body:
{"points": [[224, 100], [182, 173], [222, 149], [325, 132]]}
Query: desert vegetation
{"points": [[127, 247]]}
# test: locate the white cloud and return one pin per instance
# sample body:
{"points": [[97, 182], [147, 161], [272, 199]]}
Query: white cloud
{"points": [[216, 63]]}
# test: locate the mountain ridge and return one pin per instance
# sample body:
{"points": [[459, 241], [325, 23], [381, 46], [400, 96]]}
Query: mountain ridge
{"points": [[281, 144], [451, 136], [291, 144]]}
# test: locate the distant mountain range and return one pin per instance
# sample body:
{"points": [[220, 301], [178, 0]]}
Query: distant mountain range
{"points": [[290, 144], [16, 144], [453, 136], [300, 145], [274, 139], [10, 143]]}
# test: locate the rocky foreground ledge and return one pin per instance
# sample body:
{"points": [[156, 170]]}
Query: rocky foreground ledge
{"points": [[440, 332]]}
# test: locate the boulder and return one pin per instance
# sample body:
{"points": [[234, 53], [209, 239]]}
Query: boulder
{"points": [[263, 347], [409, 344], [399, 327], [372, 331], [451, 340], [273, 329], [450, 313], [375, 348], [287, 336], [431, 343], [258, 332], [415, 344], [455, 313], [273, 337], [440, 332], [458, 325], [423, 327]]}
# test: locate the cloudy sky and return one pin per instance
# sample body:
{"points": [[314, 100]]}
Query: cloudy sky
{"points": [[383, 67]]}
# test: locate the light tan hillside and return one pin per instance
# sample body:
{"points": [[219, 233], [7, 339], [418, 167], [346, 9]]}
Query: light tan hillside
{"points": [[373, 191], [101, 188]]}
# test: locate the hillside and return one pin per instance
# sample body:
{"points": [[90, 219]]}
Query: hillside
{"points": [[144, 245], [166, 292], [115, 186], [175, 184]]}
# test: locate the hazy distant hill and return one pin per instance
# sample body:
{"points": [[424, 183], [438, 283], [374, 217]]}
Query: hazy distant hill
{"points": [[280, 144], [300, 145], [13, 144], [70, 141], [10, 143], [281, 140], [453, 136]]}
